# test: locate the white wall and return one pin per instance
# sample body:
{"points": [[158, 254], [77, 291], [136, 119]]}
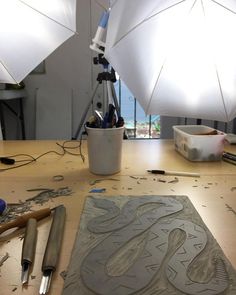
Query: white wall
{"points": [[70, 68]]}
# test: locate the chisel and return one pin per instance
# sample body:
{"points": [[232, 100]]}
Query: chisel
{"points": [[53, 248], [21, 221], [28, 249]]}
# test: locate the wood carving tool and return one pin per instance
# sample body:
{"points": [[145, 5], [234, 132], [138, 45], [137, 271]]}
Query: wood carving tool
{"points": [[28, 249], [53, 248], [21, 221]]}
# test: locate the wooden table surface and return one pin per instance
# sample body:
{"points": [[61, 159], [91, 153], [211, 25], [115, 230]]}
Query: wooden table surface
{"points": [[213, 195]]}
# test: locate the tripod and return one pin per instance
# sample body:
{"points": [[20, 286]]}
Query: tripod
{"points": [[109, 77]]}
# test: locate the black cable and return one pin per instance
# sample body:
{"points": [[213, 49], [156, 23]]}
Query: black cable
{"points": [[67, 148], [21, 155], [10, 160]]}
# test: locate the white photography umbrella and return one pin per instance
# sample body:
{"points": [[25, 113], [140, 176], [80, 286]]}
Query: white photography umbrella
{"points": [[178, 57], [30, 30]]}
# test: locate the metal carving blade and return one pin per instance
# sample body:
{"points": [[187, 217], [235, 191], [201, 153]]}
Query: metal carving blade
{"points": [[45, 282], [25, 273]]}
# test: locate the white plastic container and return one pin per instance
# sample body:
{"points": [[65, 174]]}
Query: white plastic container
{"points": [[191, 142], [105, 150]]}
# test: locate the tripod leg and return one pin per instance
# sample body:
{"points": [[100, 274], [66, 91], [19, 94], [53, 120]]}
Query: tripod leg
{"points": [[81, 124], [105, 97], [115, 99]]}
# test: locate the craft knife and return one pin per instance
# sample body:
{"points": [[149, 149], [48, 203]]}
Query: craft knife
{"points": [[53, 248], [28, 249]]}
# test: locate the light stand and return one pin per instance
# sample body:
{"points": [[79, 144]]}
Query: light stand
{"points": [[109, 77]]}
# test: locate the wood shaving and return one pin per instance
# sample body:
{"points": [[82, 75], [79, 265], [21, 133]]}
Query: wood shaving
{"points": [[161, 180], [44, 195], [38, 189], [230, 209], [103, 179], [58, 178], [174, 180], [134, 177], [4, 258]]}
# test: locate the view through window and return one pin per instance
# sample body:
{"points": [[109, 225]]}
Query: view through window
{"points": [[137, 124]]}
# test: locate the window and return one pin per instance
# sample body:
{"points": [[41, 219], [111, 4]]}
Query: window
{"points": [[137, 124]]}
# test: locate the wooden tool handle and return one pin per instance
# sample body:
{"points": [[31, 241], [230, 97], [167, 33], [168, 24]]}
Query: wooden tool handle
{"points": [[22, 220], [54, 240], [29, 244]]}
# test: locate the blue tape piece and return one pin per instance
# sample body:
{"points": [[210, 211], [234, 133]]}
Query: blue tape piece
{"points": [[98, 190], [104, 20]]}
